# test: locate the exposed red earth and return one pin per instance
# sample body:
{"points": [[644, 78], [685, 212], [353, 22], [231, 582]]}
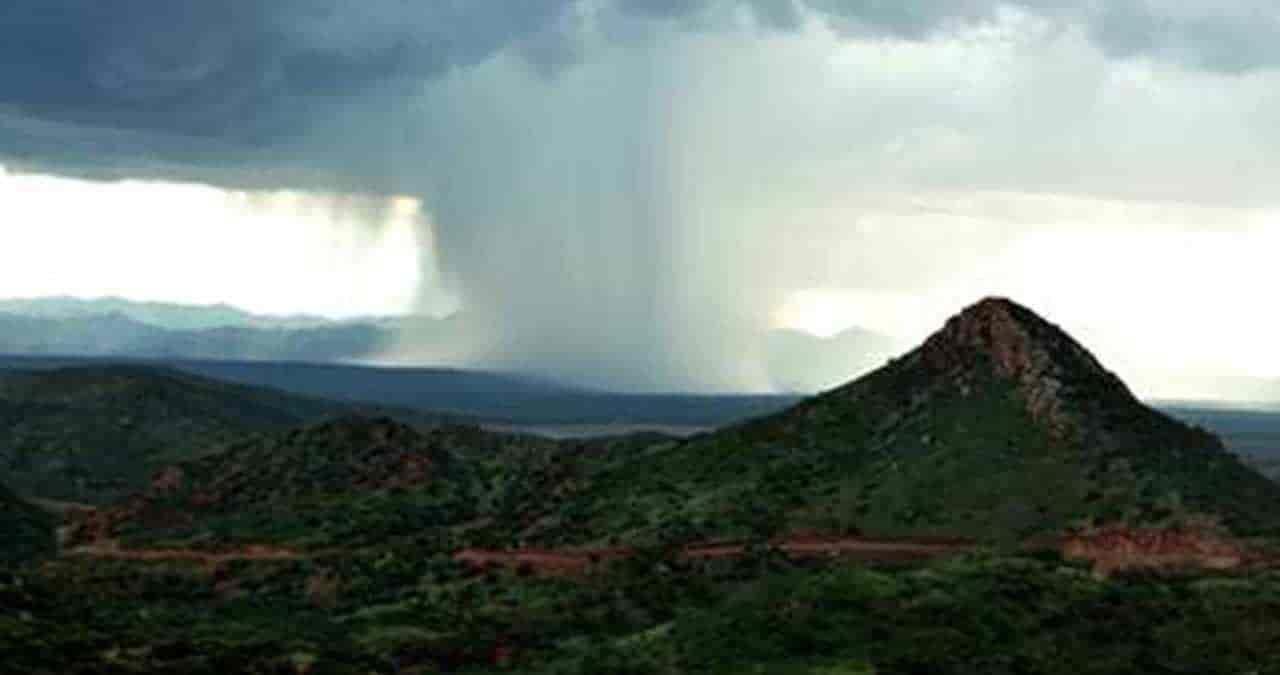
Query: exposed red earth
{"points": [[1120, 549], [111, 550], [1110, 550], [550, 562]]}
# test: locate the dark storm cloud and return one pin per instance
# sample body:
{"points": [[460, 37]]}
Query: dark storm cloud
{"points": [[910, 20], [241, 74], [780, 14], [605, 179], [663, 8], [1229, 37], [235, 69]]}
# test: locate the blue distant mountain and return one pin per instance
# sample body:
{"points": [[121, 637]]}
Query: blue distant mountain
{"points": [[796, 362], [121, 328], [158, 314], [114, 327]]}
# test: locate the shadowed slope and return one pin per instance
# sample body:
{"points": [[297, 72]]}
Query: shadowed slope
{"points": [[349, 482], [91, 434], [25, 531]]}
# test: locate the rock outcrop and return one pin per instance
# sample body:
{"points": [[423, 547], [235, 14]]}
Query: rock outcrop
{"points": [[1119, 549], [1055, 375]]}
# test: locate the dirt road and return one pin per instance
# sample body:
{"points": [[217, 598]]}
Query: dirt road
{"points": [[578, 561], [112, 551]]}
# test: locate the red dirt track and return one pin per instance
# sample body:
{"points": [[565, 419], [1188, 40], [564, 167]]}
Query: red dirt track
{"points": [[1110, 551], [578, 561], [112, 551]]}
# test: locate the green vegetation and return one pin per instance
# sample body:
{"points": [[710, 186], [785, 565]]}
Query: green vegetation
{"points": [[332, 548], [397, 611], [348, 483], [25, 531], [95, 434], [904, 453], [997, 441]]}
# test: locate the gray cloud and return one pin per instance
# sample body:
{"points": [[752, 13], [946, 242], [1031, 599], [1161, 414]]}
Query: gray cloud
{"points": [[246, 73], [175, 87], [1228, 37], [240, 70], [617, 187], [911, 20]]}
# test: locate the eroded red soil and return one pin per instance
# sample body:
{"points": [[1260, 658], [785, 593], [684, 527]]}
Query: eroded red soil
{"points": [[579, 561], [1121, 549], [112, 550], [1110, 550]]}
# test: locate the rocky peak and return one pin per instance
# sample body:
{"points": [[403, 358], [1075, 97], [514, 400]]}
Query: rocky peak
{"points": [[1011, 338], [999, 337]]}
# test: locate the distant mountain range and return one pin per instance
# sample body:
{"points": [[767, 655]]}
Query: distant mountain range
{"points": [[502, 398], [114, 327], [796, 362], [158, 314], [119, 328]]}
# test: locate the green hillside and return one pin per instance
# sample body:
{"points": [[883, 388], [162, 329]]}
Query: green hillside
{"points": [[998, 427], [93, 434], [348, 546], [349, 482], [362, 481]]}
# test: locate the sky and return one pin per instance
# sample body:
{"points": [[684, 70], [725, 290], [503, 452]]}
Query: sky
{"points": [[275, 253], [632, 193]]}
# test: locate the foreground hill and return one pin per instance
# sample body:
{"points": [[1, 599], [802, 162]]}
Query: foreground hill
{"points": [[352, 481], [364, 546], [1000, 426], [96, 433]]}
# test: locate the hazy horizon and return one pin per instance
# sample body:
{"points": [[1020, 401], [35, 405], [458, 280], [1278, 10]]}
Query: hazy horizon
{"points": [[801, 360]]}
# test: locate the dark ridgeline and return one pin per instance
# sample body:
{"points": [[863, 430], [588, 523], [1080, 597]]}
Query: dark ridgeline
{"points": [[25, 531], [95, 433]]}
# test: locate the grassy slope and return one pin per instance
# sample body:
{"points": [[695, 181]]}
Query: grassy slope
{"points": [[899, 453], [97, 433], [893, 454], [346, 483]]}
